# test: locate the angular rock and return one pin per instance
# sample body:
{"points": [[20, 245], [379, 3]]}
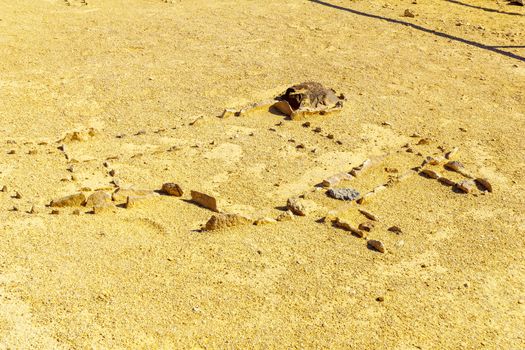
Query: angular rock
{"points": [[74, 200], [301, 207], [368, 214], [98, 198], [344, 194], [220, 221], [446, 181], [376, 245], [395, 229], [335, 179], [430, 174], [361, 168], [345, 225], [205, 201], [172, 189]]}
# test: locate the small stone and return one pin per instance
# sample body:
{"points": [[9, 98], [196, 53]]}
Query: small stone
{"points": [[368, 215], [11, 151], [220, 221], [74, 200], [205, 200], [395, 229], [135, 201], [376, 245], [264, 221], [330, 217], [446, 181], [358, 170], [330, 136], [75, 212], [318, 129], [286, 216], [466, 186], [172, 189], [452, 153], [14, 208], [380, 299], [55, 212], [106, 164], [409, 150], [112, 172], [424, 141], [430, 174], [300, 206], [454, 166], [306, 124], [344, 194], [335, 179], [4, 188], [98, 198], [33, 210], [227, 113], [392, 170], [17, 195], [104, 208], [408, 14], [32, 152], [484, 184], [366, 226]]}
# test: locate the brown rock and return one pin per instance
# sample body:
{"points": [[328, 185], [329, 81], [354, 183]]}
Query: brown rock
{"points": [[484, 184], [220, 221], [395, 229], [345, 225], [335, 179], [98, 198], [301, 207], [376, 245], [446, 181], [430, 174], [74, 200], [368, 215], [55, 212], [361, 168], [172, 189], [205, 201], [104, 208], [366, 226], [409, 14]]}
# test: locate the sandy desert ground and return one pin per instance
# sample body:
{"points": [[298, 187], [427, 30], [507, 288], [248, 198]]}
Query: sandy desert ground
{"points": [[98, 94]]}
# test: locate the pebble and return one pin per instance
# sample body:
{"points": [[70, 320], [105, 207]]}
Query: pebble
{"points": [[306, 124], [73, 200], [344, 194], [368, 214], [98, 198], [300, 206], [286, 216], [264, 221], [484, 183], [466, 186], [376, 245], [172, 189], [409, 14], [204, 200], [424, 141], [318, 130], [380, 299], [395, 229], [366, 226], [55, 212], [227, 113], [220, 221], [17, 195], [112, 172], [11, 151], [4, 188], [33, 210]]}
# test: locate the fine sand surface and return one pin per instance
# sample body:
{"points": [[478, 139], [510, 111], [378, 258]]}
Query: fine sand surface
{"points": [[150, 77]]}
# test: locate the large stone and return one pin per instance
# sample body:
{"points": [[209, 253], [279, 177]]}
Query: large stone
{"points": [[205, 200], [300, 206], [376, 245], [220, 221], [103, 208], [344, 194], [98, 198], [74, 200]]}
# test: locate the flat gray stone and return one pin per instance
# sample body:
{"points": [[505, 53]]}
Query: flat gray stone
{"points": [[343, 194]]}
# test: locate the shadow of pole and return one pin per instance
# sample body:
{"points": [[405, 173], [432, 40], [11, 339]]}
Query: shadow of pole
{"points": [[423, 29], [485, 8]]}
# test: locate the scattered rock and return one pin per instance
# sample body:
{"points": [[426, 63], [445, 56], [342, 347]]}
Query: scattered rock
{"points": [[330, 217], [466, 186], [300, 206], [368, 215], [446, 181], [484, 184], [98, 198], [33, 210], [344, 194], [306, 124], [205, 200], [74, 200], [376, 245], [264, 221], [220, 221], [345, 225], [172, 189], [318, 129], [452, 153], [395, 229], [392, 170], [286, 216]]}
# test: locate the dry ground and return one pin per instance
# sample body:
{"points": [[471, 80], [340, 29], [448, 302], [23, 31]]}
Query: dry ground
{"points": [[147, 278]]}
